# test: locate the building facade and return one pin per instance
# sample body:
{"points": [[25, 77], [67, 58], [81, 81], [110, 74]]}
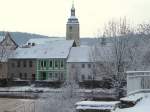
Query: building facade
{"points": [[43, 62], [73, 28], [138, 81], [51, 69], [79, 66], [22, 69], [7, 46], [80, 71]]}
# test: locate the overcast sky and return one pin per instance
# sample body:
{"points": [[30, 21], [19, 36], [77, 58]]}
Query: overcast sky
{"points": [[49, 17]]}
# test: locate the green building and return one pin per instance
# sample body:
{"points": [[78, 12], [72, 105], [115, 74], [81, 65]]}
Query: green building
{"points": [[53, 69], [49, 61]]}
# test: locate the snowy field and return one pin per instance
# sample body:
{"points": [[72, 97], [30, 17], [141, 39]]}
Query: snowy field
{"points": [[47, 102], [50, 100], [61, 102], [51, 103], [17, 105]]}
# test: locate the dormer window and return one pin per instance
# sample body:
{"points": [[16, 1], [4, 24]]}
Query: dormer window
{"points": [[33, 44], [29, 44]]}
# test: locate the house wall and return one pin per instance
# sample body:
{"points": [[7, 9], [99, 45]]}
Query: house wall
{"points": [[23, 69], [6, 47], [137, 82], [51, 69], [81, 71], [3, 70], [8, 43]]}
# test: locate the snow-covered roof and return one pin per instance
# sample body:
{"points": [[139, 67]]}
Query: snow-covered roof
{"points": [[53, 49], [100, 105], [42, 40], [4, 54], [79, 54], [2, 38], [89, 54], [137, 72], [132, 98]]}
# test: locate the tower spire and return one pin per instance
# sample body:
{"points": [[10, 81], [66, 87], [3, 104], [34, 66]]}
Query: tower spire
{"points": [[72, 9], [73, 27]]}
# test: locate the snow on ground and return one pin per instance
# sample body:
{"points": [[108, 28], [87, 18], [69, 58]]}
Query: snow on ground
{"points": [[17, 105], [133, 98], [47, 89], [141, 106], [100, 105], [51, 102]]}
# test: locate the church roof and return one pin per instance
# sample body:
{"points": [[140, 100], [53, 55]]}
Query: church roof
{"points": [[53, 49], [38, 41], [79, 54], [5, 36], [2, 38], [90, 54]]}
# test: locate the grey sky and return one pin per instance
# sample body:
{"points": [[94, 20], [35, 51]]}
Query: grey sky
{"points": [[49, 17]]}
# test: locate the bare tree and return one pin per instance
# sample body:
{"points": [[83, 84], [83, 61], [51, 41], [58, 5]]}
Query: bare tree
{"points": [[143, 29], [114, 59]]}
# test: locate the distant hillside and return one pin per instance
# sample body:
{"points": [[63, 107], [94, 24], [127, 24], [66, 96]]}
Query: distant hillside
{"points": [[21, 38]]}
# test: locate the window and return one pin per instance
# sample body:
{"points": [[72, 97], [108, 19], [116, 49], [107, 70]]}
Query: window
{"points": [[25, 76], [20, 75], [18, 63], [62, 64], [43, 75], [50, 75], [83, 77], [43, 63], [24, 63], [61, 77], [89, 77], [72, 66], [83, 65], [30, 64], [12, 65], [70, 28], [0, 66], [145, 83], [33, 44], [56, 75], [12, 75], [89, 65], [33, 76], [94, 66], [56, 64], [50, 63]]}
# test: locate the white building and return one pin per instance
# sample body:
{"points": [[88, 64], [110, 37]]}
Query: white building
{"points": [[82, 65], [138, 81], [79, 66]]}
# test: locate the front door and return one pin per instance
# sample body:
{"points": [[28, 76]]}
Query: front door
{"points": [[43, 76], [33, 77]]}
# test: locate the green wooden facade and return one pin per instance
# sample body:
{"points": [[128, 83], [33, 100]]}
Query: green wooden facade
{"points": [[51, 69]]}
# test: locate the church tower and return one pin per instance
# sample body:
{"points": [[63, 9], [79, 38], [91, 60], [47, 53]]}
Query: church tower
{"points": [[72, 28]]}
